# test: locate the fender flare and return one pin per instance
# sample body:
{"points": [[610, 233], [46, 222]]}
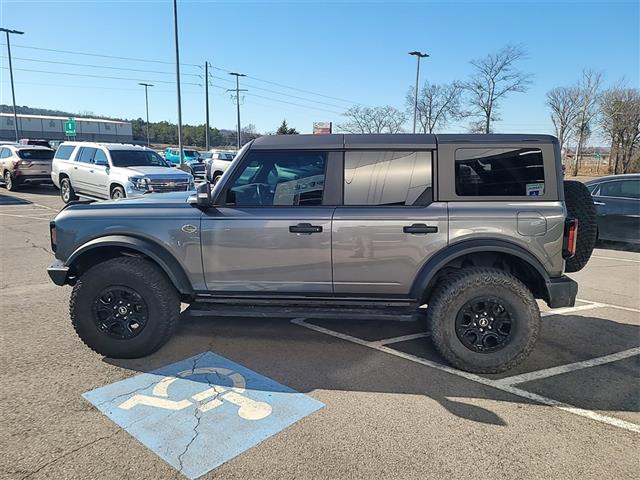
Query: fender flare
{"points": [[154, 251], [434, 264]]}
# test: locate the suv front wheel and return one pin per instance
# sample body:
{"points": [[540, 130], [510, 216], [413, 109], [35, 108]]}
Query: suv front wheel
{"points": [[483, 320], [125, 307]]}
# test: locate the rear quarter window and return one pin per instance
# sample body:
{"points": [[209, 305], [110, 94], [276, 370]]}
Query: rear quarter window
{"points": [[64, 152], [499, 172]]}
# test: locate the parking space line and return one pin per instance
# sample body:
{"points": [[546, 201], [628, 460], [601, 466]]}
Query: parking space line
{"points": [[37, 215], [561, 311], [570, 367], [616, 258], [619, 307], [402, 338], [615, 422]]}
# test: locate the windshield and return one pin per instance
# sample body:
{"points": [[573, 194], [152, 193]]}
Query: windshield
{"points": [[35, 154], [227, 156], [137, 158], [207, 155], [191, 153]]}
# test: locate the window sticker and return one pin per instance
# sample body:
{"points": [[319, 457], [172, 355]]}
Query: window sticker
{"points": [[535, 189]]}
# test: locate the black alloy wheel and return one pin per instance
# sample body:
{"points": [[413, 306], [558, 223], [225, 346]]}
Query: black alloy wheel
{"points": [[120, 312], [484, 325]]}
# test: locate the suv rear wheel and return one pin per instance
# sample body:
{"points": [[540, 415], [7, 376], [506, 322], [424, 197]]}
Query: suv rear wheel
{"points": [[125, 307], [483, 320], [9, 182], [67, 193]]}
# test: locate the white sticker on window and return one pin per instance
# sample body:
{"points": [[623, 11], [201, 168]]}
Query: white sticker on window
{"points": [[535, 189]]}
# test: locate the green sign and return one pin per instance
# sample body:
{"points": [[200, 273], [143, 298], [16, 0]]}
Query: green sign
{"points": [[70, 127]]}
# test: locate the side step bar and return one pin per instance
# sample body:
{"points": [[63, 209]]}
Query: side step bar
{"points": [[209, 309]]}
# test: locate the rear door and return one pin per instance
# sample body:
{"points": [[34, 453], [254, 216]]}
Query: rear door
{"points": [[388, 225], [618, 206], [272, 229]]}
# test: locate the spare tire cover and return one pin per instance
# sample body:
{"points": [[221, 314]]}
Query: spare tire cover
{"points": [[580, 205]]}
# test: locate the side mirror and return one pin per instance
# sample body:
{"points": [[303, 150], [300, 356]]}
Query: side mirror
{"points": [[203, 195]]}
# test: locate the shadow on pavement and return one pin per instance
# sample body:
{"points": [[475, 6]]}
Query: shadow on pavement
{"points": [[6, 199], [307, 360], [619, 246]]}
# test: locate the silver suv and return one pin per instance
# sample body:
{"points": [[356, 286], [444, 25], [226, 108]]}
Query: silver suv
{"points": [[113, 170], [24, 164], [475, 227]]}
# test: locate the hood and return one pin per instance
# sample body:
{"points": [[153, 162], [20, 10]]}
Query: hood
{"points": [[148, 199], [152, 171]]}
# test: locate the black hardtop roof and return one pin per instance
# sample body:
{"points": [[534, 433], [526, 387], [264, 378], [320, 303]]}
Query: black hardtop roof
{"points": [[387, 140]]}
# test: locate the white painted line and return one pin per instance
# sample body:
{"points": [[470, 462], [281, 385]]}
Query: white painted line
{"points": [[616, 258], [579, 308], [403, 338], [609, 305], [476, 378], [571, 367], [37, 216]]}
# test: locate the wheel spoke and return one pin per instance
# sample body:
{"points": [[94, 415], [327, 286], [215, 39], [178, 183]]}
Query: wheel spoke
{"points": [[484, 325]]}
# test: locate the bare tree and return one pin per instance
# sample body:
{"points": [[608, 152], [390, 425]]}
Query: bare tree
{"points": [[494, 78], [588, 97], [620, 119], [437, 105], [563, 102], [385, 119]]}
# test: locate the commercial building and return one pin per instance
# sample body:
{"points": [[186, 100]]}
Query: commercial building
{"points": [[52, 128]]}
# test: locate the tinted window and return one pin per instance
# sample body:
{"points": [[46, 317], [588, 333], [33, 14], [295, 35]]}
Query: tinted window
{"points": [[100, 158], [280, 178], [137, 158], [86, 155], [191, 153], [64, 152], [35, 154], [621, 188], [387, 178], [499, 172]]}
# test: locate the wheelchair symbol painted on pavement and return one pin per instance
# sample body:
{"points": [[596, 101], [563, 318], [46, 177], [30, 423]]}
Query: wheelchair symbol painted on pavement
{"points": [[208, 399]]}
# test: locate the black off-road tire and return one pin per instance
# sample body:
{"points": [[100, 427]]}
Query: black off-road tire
{"points": [[151, 283], [467, 285], [67, 193], [580, 205]]}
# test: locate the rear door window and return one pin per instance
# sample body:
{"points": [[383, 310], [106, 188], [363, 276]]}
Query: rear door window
{"points": [[390, 178], [64, 152], [499, 172], [86, 155], [5, 152]]}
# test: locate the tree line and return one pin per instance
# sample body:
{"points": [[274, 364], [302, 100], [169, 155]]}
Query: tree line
{"points": [[577, 111]]}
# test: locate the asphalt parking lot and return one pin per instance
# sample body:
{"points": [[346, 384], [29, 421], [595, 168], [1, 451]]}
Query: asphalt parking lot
{"points": [[388, 405]]}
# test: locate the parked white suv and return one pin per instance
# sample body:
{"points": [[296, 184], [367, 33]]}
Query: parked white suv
{"points": [[217, 162], [113, 170]]}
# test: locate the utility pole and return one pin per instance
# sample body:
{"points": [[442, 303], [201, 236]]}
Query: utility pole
{"points": [[419, 55], [146, 101], [206, 105], [13, 91], [238, 90], [175, 34]]}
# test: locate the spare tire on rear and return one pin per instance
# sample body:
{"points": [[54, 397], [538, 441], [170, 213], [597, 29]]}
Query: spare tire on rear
{"points": [[580, 205]]}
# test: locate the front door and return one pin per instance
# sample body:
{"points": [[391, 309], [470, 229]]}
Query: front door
{"points": [[272, 229], [388, 226]]}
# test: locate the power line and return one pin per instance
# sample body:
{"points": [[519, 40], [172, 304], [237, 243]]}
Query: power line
{"points": [[100, 66], [70, 52]]}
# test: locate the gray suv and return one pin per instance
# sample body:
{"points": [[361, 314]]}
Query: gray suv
{"points": [[475, 227]]}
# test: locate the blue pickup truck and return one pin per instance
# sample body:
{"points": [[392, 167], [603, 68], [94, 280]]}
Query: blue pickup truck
{"points": [[192, 159]]}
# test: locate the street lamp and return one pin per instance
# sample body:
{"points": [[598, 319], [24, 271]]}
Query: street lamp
{"points": [[146, 101], [238, 90], [418, 55], [13, 92]]}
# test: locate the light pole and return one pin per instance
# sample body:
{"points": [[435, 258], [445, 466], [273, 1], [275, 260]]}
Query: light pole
{"points": [[146, 101], [238, 90], [418, 55], [13, 91], [206, 106], [175, 34]]}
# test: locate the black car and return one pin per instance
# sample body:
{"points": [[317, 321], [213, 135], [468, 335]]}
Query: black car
{"points": [[617, 200]]}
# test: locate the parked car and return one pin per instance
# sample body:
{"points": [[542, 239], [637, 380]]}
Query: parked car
{"points": [[363, 226], [617, 200], [218, 163], [22, 164], [192, 160], [113, 170]]}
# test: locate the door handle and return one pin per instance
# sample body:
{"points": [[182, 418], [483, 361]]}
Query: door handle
{"points": [[305, 228], [419, 228], [596, 202], [75, 168]]}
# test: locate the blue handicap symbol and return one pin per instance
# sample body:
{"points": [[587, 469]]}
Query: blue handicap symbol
{"points": [[200, 412]]}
